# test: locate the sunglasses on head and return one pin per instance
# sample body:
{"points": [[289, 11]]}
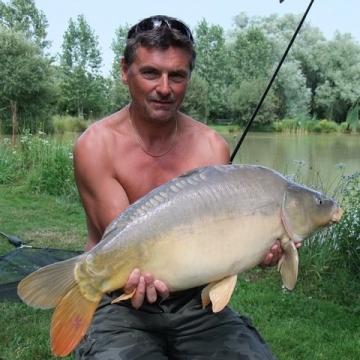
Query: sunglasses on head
{"points": [[156, 22]]}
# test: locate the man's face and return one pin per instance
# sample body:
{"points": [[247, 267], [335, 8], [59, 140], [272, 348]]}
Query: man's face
{"points": [[158, 80]]}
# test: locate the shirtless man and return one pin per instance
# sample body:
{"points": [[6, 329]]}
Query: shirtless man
{"points": [[120, 159]]}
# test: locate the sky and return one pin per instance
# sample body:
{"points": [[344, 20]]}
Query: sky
{"points": [[105, 16]]}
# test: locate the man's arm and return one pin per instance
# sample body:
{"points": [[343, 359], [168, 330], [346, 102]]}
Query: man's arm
{"points": [[102, 196], [104, 199]]}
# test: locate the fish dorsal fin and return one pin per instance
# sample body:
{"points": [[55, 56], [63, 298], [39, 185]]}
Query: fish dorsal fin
{"points": [[289, 264], [70, 321], [219, 293]]}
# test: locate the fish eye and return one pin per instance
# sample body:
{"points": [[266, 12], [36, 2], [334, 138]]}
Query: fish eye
{"points": [[318, 200]]}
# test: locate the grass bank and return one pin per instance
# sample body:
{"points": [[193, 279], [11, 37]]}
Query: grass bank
{"points": [[318, 320]]}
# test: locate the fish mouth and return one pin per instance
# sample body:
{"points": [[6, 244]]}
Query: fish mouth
{"points": [[337, 216]]}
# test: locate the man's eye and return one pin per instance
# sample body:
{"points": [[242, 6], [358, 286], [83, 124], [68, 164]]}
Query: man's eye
{"points": [[149, 73], [178, 77]]}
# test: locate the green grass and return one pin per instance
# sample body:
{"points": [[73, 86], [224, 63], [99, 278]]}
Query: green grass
{"points": [[44, 221], [318, 320], [302, 324]]}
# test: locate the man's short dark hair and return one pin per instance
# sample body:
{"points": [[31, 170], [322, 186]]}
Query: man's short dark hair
{"points": [[159, 32]]}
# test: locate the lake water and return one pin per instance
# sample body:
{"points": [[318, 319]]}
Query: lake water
{"points": [[322, 157]]}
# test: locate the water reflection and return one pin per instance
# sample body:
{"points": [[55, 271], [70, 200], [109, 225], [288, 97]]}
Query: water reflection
{"points": [[324, 156]]}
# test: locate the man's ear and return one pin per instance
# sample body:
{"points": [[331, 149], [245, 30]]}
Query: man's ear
{"points": [[124, 72]]}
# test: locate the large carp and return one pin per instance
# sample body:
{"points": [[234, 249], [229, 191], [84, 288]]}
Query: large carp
{"points": [[204, 227]]}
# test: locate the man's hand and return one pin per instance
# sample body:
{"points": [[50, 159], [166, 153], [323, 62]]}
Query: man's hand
{"points": [[145, 286], [275, 254]]}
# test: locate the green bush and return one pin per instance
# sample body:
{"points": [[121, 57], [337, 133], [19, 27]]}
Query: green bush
{"points": [[8, 164], [348, 231], [64, 124], [277, 126], [328, 126], [304, 124], [291, 125], [39, 164], [310, 125], [344, 127]]}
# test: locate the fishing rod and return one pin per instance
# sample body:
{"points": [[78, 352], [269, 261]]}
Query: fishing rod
{"points": [[270, 83]]}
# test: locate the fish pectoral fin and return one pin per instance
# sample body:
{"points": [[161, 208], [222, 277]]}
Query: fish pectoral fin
{"points": [[123, 297], [70, 321], [289, 265], [205, 294], [219, 292]]}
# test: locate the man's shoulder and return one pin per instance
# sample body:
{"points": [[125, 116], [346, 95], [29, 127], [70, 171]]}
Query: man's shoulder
{"points": [[196, 125], [206, 132], [209, 145], [100, 130]]}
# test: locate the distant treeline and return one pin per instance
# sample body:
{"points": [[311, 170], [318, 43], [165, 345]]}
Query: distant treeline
{"points": [[319, 80]]}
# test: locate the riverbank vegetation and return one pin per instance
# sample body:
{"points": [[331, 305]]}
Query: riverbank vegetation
{"points": [[321, 314], [313, 92], [233, 67]]}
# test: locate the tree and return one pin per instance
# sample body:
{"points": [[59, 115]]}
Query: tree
{"points": [[118, 92], [212, 65], [23, 16], [339, 84], [195, 102], [292, 92], [25, 81], [244, 99], [296, 83], [118, 46], [252, 54], [118, 95], [82, 86]]}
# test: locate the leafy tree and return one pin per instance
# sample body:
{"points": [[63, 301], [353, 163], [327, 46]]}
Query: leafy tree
{"points": [[118, 95], [26, 90], [118, 46], [195, 103], [118, 92], [308, 51], [339, 84], [212, 65], [252, 55], [244, 99], [82, 86], [252, 59], [23, 16], [319, 78], [292, 92]]}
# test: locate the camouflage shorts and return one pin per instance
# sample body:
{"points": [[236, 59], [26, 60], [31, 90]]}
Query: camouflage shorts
{"points": [[177, 328]]}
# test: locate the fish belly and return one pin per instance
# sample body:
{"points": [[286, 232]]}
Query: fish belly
{"points": [[185, 259]]}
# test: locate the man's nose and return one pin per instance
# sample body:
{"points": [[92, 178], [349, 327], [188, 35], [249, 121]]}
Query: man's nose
{"points": [[163, 86]]}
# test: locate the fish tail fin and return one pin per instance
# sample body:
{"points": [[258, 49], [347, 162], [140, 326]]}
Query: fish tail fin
{"points": [[70, 321], [56, 285], [289, 265], [46, 287]]}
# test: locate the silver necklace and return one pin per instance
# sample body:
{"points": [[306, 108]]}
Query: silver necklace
{"points": [[142, 148]]}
